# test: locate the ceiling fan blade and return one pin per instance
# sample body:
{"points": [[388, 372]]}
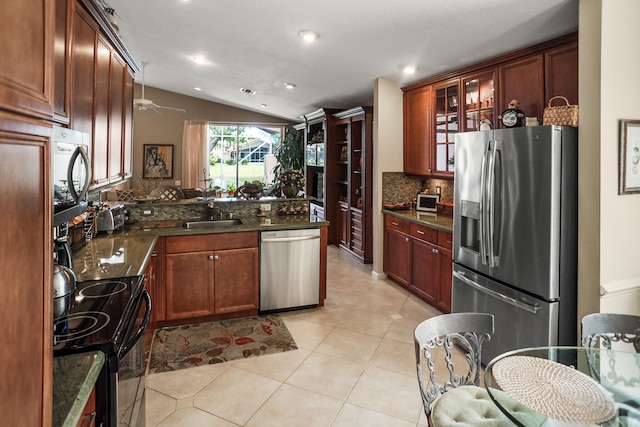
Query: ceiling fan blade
{"points": [[170, 108]]}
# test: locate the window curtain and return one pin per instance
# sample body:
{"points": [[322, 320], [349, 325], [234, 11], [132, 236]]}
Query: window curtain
{"points": [[195, 157]]}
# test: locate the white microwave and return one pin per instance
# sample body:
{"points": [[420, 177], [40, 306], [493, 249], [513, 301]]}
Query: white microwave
{"points": [[427, 202]]}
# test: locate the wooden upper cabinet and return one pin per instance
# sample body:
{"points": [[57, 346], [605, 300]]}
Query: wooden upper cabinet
{"points": [[417, 131], [26, 43], [61, 61], [561, 73], [127, 132], [101, 110], [116, 118], [478, 100], [83, 69], [522, 79], [446, 101]]}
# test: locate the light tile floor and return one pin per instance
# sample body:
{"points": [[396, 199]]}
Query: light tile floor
{"points": [[355, 366]]}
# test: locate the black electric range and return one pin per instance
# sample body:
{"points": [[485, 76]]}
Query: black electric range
{"points": [[110, 315]]}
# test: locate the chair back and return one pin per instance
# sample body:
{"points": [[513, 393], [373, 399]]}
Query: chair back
{"points": [[605, 328], [437, 340]]}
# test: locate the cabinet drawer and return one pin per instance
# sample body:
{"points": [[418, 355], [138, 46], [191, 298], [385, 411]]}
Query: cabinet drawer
{"points": [[396, 224], [445, 239], [423, 232], [207, 242]]}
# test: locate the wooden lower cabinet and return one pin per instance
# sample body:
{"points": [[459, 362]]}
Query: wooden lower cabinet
{"points": [[423, 270], [213, 274], [419, 258], [397, 250]]}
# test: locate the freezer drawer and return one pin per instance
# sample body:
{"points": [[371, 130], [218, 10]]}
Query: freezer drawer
{"points": [[520, 320], [289, 269]]}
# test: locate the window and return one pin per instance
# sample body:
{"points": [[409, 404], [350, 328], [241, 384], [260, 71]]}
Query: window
{"points": [[239, 153]]}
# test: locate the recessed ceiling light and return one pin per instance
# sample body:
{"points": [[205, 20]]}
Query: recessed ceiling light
{"points": [[410, 69], [197, 88], [309, 35], [247, 91], [263, 105], [199, 60], [289, 85]]}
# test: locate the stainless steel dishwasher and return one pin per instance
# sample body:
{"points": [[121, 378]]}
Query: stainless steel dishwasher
{"points": [[289, 269]]}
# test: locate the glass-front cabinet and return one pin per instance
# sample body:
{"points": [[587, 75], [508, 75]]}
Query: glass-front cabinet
{"points": [[447, 99], [479, 112]]}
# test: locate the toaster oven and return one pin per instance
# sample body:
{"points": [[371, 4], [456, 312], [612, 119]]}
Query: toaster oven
{"points": [[111, 217], [427, 202]]}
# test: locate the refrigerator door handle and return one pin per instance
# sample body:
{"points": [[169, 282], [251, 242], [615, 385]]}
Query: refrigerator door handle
{"points": [[491, 203], [483, 203], [524, 306]]}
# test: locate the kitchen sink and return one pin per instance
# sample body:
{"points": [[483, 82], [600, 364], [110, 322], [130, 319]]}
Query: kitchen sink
{"points": [[212, 223]]}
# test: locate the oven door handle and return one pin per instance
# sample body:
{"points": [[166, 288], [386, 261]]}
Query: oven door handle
{"points": [[147, 315]]}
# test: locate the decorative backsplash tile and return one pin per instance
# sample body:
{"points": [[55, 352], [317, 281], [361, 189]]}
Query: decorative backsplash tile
{"points": [[400, 188]]}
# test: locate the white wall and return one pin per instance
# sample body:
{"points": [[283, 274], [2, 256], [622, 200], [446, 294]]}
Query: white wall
{"points": [[620, 99], [387, 154]]}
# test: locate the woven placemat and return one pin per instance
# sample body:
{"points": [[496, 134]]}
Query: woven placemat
{"points": [[554, 390]]}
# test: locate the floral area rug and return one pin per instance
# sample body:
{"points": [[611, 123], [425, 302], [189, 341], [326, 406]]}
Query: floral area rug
{"points": [[201, 344]]}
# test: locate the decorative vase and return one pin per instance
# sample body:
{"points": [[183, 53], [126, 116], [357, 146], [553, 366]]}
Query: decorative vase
{"points": [[289, 191]]}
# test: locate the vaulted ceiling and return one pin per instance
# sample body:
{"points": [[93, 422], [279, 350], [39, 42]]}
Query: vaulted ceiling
{"points": [[255, 45]]}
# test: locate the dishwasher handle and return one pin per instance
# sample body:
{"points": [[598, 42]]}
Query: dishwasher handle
{"points": [[290, 239]]}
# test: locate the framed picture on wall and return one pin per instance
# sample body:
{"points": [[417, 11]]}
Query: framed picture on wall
{"points": [[629, 179], [158, 161]]}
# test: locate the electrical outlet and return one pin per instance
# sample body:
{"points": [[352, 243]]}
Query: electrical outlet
{"points": [[265, 206], [178, 182], [147, 212]]}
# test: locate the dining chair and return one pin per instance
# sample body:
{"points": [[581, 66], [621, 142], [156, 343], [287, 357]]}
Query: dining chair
{"points": [[605, 328], [453, 396]]}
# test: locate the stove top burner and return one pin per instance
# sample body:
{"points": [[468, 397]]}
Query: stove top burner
{"points": [[79, 325], [101, 289]]}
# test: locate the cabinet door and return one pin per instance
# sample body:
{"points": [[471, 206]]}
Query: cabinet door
{"points": [[26, 309], [83, 50], [478, 106], [424, 268], [522, 80], [343, 225], [189, 285], [417, 131], [100, 157], [236, 280], [445, 271], [561, 73], [445, 128], [127, 134], [397, 252], [61, 58], [26, 43], [357, 234], [116, 111]]}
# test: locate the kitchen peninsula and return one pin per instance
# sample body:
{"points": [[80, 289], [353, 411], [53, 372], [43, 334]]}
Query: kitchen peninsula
{"points": [[155, 233]]}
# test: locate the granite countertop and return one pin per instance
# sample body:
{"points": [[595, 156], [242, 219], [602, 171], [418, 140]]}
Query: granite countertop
{"points": [[439, 222], [74, 376], [126, 253]]}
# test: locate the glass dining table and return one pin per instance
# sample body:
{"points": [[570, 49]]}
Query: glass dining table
{"points": [[566, 386]]}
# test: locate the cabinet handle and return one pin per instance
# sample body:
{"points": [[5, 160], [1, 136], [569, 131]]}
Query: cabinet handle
{"points": [[450, 242], [406, 239], [395, 223], [420, 232], [154, 253], [213, 257], [435, 251]]}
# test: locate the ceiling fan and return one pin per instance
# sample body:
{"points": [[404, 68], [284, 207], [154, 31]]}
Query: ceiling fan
{"points": [[144, 104]]}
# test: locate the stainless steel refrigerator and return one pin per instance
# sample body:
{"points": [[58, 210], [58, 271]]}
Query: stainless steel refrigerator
{"points": [[515, 234]]}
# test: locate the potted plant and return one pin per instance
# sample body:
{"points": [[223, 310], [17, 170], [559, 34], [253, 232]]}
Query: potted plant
{"points": [[231, 189], [290, 156], [290, 181]]}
